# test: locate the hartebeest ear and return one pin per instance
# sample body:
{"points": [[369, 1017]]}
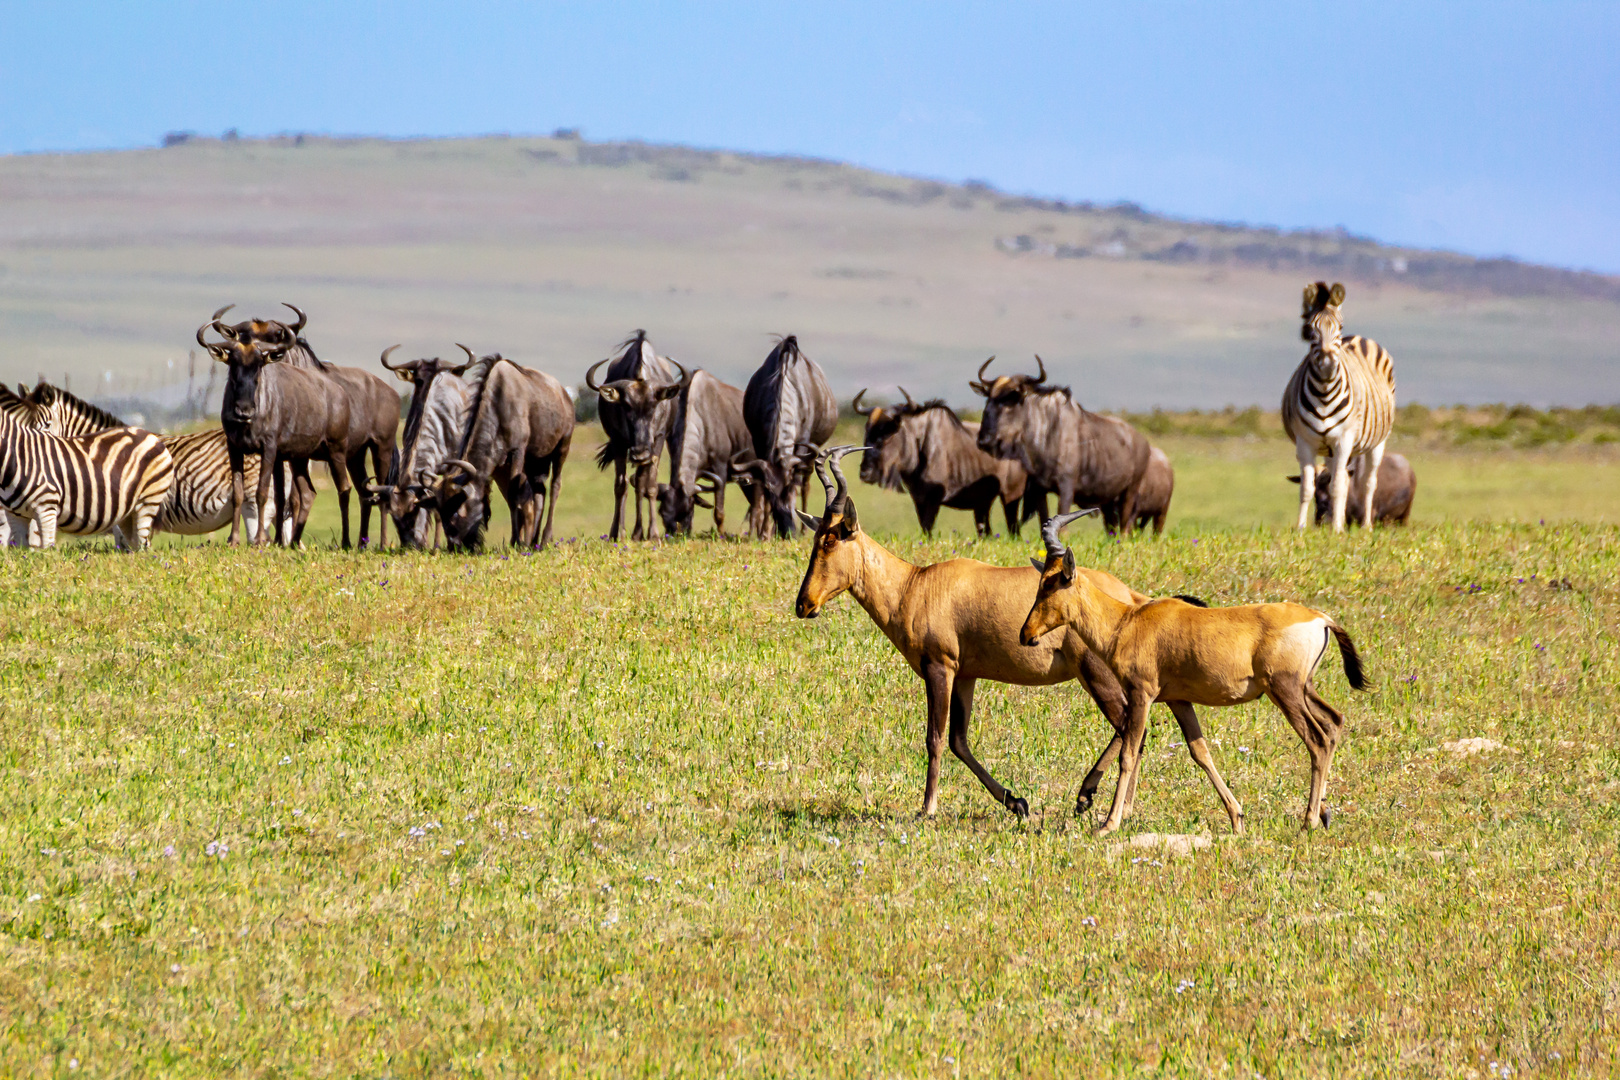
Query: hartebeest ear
{"points": [[809, 521], [851, 524], [1336, 296], [1038, 564], [1068, 567]]}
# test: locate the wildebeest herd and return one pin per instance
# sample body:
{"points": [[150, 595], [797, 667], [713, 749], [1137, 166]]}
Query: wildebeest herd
{"points": [[490, 422]]}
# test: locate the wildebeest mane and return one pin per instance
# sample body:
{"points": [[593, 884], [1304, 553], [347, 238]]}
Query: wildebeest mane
{"points": [[767, 391], [478, 375]]}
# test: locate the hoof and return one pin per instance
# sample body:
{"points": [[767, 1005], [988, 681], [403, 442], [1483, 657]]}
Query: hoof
{"points": [[1019, 807], [1327, 817], [1082, 803]]}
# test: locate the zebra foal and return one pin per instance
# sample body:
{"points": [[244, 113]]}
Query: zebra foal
{"points": [[86, 485], [1340, 403]]}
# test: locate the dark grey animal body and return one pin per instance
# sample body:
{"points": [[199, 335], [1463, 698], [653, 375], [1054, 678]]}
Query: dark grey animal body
{"points": [[636, 407], [1392, 498], [518, 435], [1086, 459], [928, 451], [373, 424], [277, 413], [790, 411], [1153, 494], [435, 428], [707, 433]]}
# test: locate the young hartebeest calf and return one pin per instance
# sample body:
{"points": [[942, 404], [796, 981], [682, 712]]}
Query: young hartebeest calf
{"points": [[1183, 655], [955, 622]]}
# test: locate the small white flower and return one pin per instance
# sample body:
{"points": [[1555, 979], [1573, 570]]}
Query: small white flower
{"points": [[168, 851], [33, 898], [73, 1064], [174, 969], [1088, 921], [286, 759], [417, 830], [298, 813]]}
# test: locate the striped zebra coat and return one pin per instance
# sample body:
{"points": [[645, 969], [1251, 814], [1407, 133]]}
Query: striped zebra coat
{"points": [[1340, 404], [199, 500], [86, 485]]}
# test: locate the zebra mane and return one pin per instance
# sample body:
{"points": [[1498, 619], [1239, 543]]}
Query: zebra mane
{"points": [[46, 396]]}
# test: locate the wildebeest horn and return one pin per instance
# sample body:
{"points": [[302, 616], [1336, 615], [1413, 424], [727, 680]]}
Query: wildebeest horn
{"points": [[385, 363], [589, 372], [1050, 530], [984, 365], [380, 489], [216, 316], [979, 386], [1042, 363], [457, 463], [856, 404], [909, 401], [302, 319]]}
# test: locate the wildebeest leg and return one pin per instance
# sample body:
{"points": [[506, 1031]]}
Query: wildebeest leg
{"points": [[357, 472], [338, 464], [303, 500], [927, 512], [1187, 718], [961, 718], [981, 519], [638, 483], [1105, 690], [1012, 510], [558, 458], [380, 473], [1320, 734], [719, 508], [238, 491], [1130, 756], [620, 488], [937, 679], [280, 482], [269, 471]]}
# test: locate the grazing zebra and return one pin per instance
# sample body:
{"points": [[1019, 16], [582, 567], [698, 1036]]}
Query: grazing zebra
{"points": [[1339, 404], [199, 501], [84, 486]]}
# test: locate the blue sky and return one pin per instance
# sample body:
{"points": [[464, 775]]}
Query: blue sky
{"points": [[1491, 128]]}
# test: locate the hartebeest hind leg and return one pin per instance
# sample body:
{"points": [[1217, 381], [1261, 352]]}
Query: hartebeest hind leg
{"points": [[1318, 725], [1130, 758], [1187, 718], [961, 718]]}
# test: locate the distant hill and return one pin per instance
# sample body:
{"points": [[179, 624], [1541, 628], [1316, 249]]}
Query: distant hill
{"points": [[551, 249]]}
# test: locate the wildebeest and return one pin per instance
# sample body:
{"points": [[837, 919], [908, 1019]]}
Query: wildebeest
{"points": [[1153, 494], [928, 451], [790, 411], [276, 413], [519, 429], [1085, 458], [1392, 498], [707, 432], [633, 400], [373, 416], [435, 426]]}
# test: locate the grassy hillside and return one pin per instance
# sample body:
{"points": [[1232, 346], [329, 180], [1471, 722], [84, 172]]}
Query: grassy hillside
{"points": [[612, 811], [552, 249]]}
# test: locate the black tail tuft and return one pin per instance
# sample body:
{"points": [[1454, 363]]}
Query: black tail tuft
{"points": [[1193, 600], [1352, 659]]}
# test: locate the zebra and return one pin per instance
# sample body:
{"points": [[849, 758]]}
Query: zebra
{"points": [[1340, 403], [84, 486], [199, 501]]}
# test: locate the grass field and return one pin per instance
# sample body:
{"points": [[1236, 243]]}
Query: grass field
{"points": [[612, 810]]}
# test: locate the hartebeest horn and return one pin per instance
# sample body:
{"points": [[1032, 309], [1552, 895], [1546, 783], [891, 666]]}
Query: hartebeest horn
{"points": [[830, 458], [385, 363], [856, 404], [590, 382], [1050, 530], [302, 319], [1042, 363]]}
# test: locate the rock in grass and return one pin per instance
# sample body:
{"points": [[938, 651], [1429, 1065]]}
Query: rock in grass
{"points": [[1174, 845]]}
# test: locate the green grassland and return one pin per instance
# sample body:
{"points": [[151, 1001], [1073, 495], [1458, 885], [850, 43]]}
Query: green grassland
{"points": [[611, 810]]}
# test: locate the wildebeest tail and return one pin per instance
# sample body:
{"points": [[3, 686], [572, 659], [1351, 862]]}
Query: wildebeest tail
{"points": [[606, 453], [1351, 658]]}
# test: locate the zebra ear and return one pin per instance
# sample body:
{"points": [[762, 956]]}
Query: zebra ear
{"points": [[1310, 296], [1336, 297]]}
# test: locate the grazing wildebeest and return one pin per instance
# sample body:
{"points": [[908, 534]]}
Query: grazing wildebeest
{"points": [[1392, 498], [519, 429], [373, 417], [435, 427], [708, 431], [790, 411], [1153, 494], [276, 413], [928, 451], [628, 399], [1085, 458]]}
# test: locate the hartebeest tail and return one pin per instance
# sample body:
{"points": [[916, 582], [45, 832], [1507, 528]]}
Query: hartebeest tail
{"points": [[1186, 655]]}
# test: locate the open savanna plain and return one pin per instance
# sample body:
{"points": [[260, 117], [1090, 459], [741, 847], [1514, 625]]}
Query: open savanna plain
{"points": [[610, 809]]}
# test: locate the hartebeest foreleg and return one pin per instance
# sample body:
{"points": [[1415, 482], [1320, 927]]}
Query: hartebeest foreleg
{"points": [[950, 709]]}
